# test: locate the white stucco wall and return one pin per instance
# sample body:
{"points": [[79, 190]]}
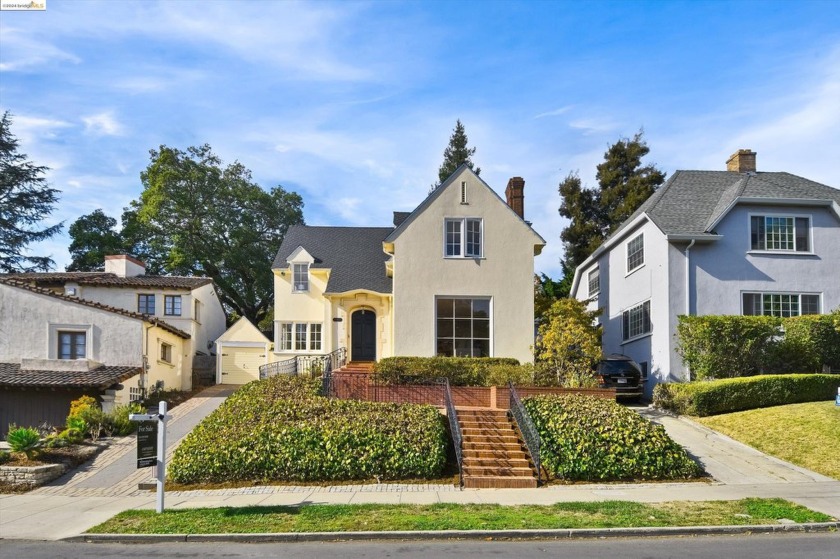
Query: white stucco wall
{"points": [[505, 273]]}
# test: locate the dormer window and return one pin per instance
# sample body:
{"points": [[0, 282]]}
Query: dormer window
{"points": [[463, 238], [300, 278]]}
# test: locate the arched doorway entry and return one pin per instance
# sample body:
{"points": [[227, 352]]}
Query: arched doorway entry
{"points": [[363, 335]]}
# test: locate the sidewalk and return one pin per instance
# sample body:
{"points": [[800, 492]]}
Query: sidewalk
{"points": [[56, 512]]}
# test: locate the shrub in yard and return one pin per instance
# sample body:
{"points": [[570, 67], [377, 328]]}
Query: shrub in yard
{"points": [[461, 371], [737, 394], [594, 439], [80, 405], [117, 422], [280, 429], [26, 440], [810, 342], [5, 456]]}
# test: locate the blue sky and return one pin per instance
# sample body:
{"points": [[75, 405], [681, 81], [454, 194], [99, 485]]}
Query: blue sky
{"points": [[351, 104]]}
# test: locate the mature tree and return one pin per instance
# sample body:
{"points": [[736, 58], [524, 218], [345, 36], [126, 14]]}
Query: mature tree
{"points": [[456, 154], [569, 344], [25, 200], [623, 185], [93, 237], [202, 218]]}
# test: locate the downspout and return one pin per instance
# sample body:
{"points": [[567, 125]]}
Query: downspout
{"points": [[688, 286], [144, 376]]}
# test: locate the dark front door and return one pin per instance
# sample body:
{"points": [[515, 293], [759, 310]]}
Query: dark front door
{"points": [[363, 332]]}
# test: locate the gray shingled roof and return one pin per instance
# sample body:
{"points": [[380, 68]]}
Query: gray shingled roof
{"points": [[691, 201], [112, 280], [11, 375], [354, 254]]}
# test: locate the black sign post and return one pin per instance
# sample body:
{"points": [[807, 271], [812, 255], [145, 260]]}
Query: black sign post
{"points": [[147, 437]]}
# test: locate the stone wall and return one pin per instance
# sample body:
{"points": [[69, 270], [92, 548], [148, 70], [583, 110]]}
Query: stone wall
{"points": [[31, 476]]}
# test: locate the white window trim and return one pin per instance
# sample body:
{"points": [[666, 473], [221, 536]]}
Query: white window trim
{"points": [[640, 336], [794, 252], [628, 271], [278, 329], [798, 293], [308, 278], [597, 272], [52, 338], [463, 222], [492, 320]]}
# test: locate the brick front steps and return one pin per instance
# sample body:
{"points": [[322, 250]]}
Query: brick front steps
{"points": [[494, 455], [358, 367]]}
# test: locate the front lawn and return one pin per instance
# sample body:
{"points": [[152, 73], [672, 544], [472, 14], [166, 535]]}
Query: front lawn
{"points": [[386, 518], [807, 435]]}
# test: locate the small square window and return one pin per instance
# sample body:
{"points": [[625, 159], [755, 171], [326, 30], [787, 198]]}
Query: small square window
{"points": [[165, 352], [172, 305], [72, 345], [146, 303]]}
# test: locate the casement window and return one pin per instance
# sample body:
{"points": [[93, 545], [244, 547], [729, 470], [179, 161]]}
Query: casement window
{"points": [[172, 305], [780, 304], [165, 352], [594, 282], [146, 303], [780, 233], [635, 321], [300, 336], [463, 238], [197, 311], [300, 278], [72, 345], [463, 327], [636, 253]]}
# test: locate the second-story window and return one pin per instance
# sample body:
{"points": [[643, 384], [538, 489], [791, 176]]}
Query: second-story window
{"points": [[172, 305], [636, 253], [146, 303], [594, 282], [300, 277], [781, 233], [463, 238]]}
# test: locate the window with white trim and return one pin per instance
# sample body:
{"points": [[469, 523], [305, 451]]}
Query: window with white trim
{"points": [[463, 327], [636, 253], [72, 345], [300, 336], [635, 321], [780, 304], [300, 278], [780, 233], [594, 278], [314, 337], [285, 341], [463, 237]]}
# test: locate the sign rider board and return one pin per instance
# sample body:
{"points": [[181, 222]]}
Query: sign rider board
{"points": [[151, 445], [147, 433]]}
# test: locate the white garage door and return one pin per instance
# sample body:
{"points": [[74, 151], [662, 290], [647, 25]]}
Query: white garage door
{"points": [[241, 365]]}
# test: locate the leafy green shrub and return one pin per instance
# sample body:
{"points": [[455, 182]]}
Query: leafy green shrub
{"points": [[280, 429], [810, 342], [586, 438], [5, 456], [737, 394], [461, 371], [26, 440], [78, 406], [95, 420], [117, 422], [569, 344]]}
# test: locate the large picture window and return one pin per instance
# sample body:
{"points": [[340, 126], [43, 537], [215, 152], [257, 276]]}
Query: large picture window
{"points": [[72, 345], [463, 327], [299, 336], [635, 321], [635, 253], [463, 238], [780, 304], [781, 233]]}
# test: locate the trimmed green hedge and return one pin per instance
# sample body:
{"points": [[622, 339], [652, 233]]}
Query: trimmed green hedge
{"points": [[586, 438], [461, 371], [737, 394], [281, 429]]}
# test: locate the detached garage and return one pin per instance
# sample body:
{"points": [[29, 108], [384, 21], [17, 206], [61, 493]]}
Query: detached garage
{"points": [[240, 352]]}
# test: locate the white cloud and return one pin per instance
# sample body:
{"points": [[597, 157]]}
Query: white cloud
{"points": [[23, 52], [29, 129], [556, 112], [103, 124]]}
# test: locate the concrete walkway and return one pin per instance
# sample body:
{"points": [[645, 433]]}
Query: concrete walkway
{"points": [[61, 511]]}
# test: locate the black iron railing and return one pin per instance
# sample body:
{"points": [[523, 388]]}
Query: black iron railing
{"points": [[285, 367], [527, 428], [455, 429], [312, 365], [337, 359]]}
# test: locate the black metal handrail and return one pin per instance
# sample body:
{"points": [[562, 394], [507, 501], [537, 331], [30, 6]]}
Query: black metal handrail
{"points": [[313, 365], [285, 367], [455, 429], [527, 428], [338, 358], [326, 384]]}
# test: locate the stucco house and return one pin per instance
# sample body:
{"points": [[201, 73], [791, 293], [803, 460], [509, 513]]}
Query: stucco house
{"points": [[734, 242], [453, 277], [56, 347]]}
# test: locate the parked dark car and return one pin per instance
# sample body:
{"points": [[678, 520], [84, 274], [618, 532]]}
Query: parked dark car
{"points": [[622, 373]]}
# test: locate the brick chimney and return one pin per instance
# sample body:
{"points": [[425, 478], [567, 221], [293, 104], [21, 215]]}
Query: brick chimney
{"points": [[742, 161], [515, 194], [124, 266]]}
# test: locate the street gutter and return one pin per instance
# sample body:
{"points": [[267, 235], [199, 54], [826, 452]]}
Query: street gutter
{"points": [[557, 534]]}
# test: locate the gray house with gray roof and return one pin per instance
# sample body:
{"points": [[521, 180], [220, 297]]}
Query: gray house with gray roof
{"points": [[728, 242]]}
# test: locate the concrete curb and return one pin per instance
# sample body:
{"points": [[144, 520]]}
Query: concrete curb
{"points": [[462, 534]]}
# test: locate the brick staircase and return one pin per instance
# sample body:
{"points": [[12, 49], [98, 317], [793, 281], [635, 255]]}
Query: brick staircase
{"points": [[364, 367], [494, 455]]}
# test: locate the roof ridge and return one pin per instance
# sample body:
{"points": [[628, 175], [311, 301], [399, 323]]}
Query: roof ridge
{"points": [[96, 305]]}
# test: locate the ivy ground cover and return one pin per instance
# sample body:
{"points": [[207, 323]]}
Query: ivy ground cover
{"points": [[280, 429]]}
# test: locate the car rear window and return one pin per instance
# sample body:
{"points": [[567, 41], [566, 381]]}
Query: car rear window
{"points": [[615, 367]]}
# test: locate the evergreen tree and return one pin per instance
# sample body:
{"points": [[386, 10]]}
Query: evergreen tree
{"points": [[93, 237], [456, 154], [25, 200], [623, 185]]}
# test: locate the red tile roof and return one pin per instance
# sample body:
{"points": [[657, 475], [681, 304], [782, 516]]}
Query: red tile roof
{"points": [[112, 280], [11, 375]]}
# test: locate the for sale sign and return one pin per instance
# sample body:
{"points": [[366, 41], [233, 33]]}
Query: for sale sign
{"points": [[147, 437]]}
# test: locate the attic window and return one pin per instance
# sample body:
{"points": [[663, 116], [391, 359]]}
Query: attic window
{"points": [[300, 278], [463, 192]]}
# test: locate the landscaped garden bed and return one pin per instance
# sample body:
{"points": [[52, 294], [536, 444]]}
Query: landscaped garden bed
{"points": [[18, 473]]}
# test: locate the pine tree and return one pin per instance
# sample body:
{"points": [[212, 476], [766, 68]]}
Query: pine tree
{"points": [[25, 200], [456, 154]]}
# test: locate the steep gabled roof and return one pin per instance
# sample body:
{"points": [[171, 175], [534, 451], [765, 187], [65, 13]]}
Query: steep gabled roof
{"points": [[112, 280], [93, 304], [11, 375], [353, 254]]}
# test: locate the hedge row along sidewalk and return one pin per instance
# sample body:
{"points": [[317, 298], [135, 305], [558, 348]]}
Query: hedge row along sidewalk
{"points": [[385, 518]]}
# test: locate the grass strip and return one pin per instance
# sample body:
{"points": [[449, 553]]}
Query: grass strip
{"points": [[385, 518], [807, 435]]}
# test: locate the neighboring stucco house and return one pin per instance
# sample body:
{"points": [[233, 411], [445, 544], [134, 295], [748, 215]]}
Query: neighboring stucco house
{"points": [[55, 347], [453, 277], [713, 243], [189, 304]]}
